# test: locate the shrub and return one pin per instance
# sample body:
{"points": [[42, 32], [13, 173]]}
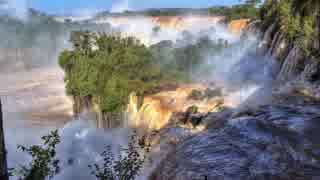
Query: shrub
{"points": [[44, 163], [129, 164]]}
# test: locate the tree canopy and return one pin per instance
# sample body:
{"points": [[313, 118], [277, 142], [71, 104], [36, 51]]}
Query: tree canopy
{"points": [[291, 19], [107, 69]]}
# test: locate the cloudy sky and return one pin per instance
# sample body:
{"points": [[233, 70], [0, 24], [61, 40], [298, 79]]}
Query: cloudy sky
{"points": [[89, 6]]}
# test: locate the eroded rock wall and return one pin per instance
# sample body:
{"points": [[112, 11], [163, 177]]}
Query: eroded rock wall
{"points": [[272, 142]]}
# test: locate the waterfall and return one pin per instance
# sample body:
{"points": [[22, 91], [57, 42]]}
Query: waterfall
{"points": [[290, 66], [159, 110], [276, 45], [152, 114], [264, 44]]}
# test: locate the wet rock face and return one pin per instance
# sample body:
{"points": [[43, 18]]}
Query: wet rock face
{"points": [[270, 143], [191, 117], [311, 72]]}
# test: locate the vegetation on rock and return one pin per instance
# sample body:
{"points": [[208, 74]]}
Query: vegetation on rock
{"points": [[247, 10]]}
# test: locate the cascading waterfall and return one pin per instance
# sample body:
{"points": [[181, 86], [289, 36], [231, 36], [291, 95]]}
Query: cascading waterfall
{"points": [[290, 64], [156, 111], [152, 114], [278, 45], [264, 44]]}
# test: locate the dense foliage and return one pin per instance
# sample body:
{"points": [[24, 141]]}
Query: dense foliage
{"points": [[294, 20], [106, 69], [45, 165], [247, 10]]}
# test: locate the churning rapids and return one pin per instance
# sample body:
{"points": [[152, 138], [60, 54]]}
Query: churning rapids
{"points": [[35, 101]]}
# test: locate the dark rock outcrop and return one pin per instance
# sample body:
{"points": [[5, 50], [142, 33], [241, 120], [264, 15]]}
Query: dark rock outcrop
{"points": [[269, 143], [191, 117], [311, 72]]}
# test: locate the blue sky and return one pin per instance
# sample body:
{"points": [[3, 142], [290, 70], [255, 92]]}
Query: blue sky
{"points": [[86, 6]]}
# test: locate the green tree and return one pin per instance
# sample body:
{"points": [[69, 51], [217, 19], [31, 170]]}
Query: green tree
{"points": [[289, 24], [293, 19], [307, 8]]}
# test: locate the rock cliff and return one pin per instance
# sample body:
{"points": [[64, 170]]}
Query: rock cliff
{"points": [[276, 139], [271, 142]]}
